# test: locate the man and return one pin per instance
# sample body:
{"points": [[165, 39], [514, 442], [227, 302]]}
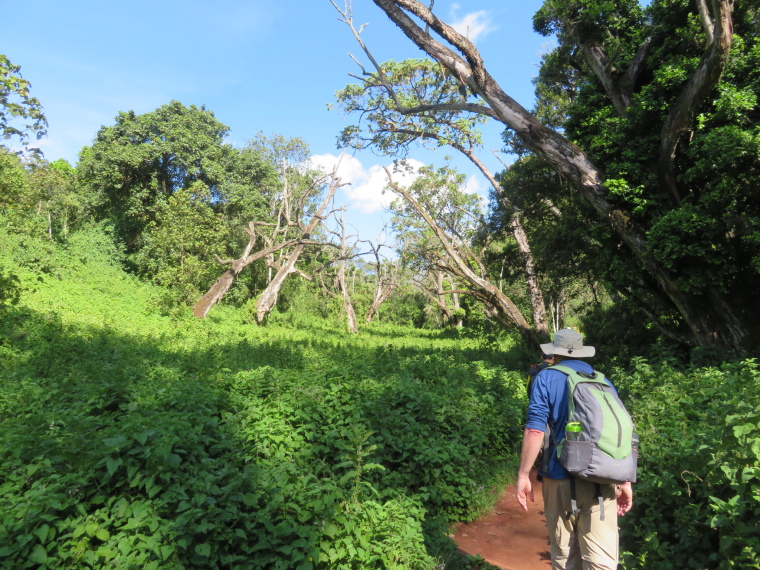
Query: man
{"points": [[546, 361], [584, 540]]}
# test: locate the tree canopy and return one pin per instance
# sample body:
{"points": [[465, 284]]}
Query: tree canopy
{"points": [[16, 104], [640, 106]]}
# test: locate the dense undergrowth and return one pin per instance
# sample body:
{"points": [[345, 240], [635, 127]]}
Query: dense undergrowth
{"points": [[697, 502], [133, 440]]}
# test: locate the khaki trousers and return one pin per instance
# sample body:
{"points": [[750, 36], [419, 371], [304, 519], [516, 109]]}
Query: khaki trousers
{"points": [[582, 542]]}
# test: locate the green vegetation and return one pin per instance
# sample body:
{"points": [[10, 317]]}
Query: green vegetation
{"points": [[678, 154], [133, 440], [698, 496], [133, 435], [17, 104]]}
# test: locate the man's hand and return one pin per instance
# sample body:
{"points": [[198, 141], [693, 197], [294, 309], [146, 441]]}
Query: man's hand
{"points": [[524, 490], [533, 440], [624, 493]]}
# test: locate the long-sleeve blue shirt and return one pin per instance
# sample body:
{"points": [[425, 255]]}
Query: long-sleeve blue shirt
{"points": [[548, 405]]}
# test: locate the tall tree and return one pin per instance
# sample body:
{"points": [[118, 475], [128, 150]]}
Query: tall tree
{"points": [[140, 161], [421, 102], [708, 313]]}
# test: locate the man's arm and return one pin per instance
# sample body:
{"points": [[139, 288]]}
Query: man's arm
{"points": [[533, 441]]}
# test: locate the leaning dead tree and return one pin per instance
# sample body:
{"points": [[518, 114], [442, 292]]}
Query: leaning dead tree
{"points": [[458, 259], [287, 266], [275, 238], [220, 287], [709, 316]]}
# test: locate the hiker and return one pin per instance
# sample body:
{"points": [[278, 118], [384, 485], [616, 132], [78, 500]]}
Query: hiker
{"points": [[546, 361], [584, 537]]}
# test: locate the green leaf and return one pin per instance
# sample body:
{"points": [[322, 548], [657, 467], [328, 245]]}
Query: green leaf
{"points": [[42, 533], [115, 441], [38, 555], [112, 464], [203, 549], [102, 534], [167, 550], [330, 529]]}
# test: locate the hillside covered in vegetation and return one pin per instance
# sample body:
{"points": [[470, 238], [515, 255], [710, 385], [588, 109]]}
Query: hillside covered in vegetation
{"points": [[134, 439]]}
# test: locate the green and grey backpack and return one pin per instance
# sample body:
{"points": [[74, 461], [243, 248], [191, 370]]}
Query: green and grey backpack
{"points": [[606, 449]]}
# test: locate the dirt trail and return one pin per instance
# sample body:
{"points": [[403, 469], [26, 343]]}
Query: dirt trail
{"points": [[508, 537]]}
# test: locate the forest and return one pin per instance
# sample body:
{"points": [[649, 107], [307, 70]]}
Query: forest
{"points": [[201, 366]]}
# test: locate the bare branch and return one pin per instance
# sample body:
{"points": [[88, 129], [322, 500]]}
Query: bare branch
{"points": [[707, 23]]}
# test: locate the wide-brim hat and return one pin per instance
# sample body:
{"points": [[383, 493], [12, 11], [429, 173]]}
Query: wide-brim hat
{"points": [[568, 342]]}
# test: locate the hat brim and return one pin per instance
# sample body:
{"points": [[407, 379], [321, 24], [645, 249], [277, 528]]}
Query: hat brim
{"points": [[582, 352]]}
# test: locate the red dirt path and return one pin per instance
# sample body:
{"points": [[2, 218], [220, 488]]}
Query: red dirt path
{"points": [[508, 537]]}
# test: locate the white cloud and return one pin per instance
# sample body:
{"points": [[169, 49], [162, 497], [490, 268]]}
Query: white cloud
{"points": [[366, 188], [474, 185], [473, 25]]}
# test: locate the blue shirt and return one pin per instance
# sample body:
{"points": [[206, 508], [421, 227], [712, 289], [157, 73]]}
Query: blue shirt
{"points": [[548, 405]]}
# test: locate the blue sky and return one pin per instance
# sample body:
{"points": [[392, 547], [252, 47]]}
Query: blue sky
{"points": [[260, 66]]}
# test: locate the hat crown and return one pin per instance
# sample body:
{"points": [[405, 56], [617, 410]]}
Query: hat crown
{"points": [[568, 342], [568, 338]]}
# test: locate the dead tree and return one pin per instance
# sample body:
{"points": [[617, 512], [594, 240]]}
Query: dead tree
{"points": [[275, 237], [339, 278], [222, 285], [268, 298], [457, 258], [386, 280]]}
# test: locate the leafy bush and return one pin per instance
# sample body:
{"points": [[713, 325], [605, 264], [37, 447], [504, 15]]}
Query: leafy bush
{"points": [[697, 499]]}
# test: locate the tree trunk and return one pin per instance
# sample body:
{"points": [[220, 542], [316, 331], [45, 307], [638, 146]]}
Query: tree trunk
{"points": [[266, 301], [268, 298], [348, 307], [381, 296], [222, 285]]}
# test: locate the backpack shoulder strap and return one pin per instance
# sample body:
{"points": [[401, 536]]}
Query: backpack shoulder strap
{"points": [[575, 377], [595, 376]]}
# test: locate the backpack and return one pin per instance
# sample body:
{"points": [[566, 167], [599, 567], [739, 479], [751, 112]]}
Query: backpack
{"points": [[607, 449]]}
